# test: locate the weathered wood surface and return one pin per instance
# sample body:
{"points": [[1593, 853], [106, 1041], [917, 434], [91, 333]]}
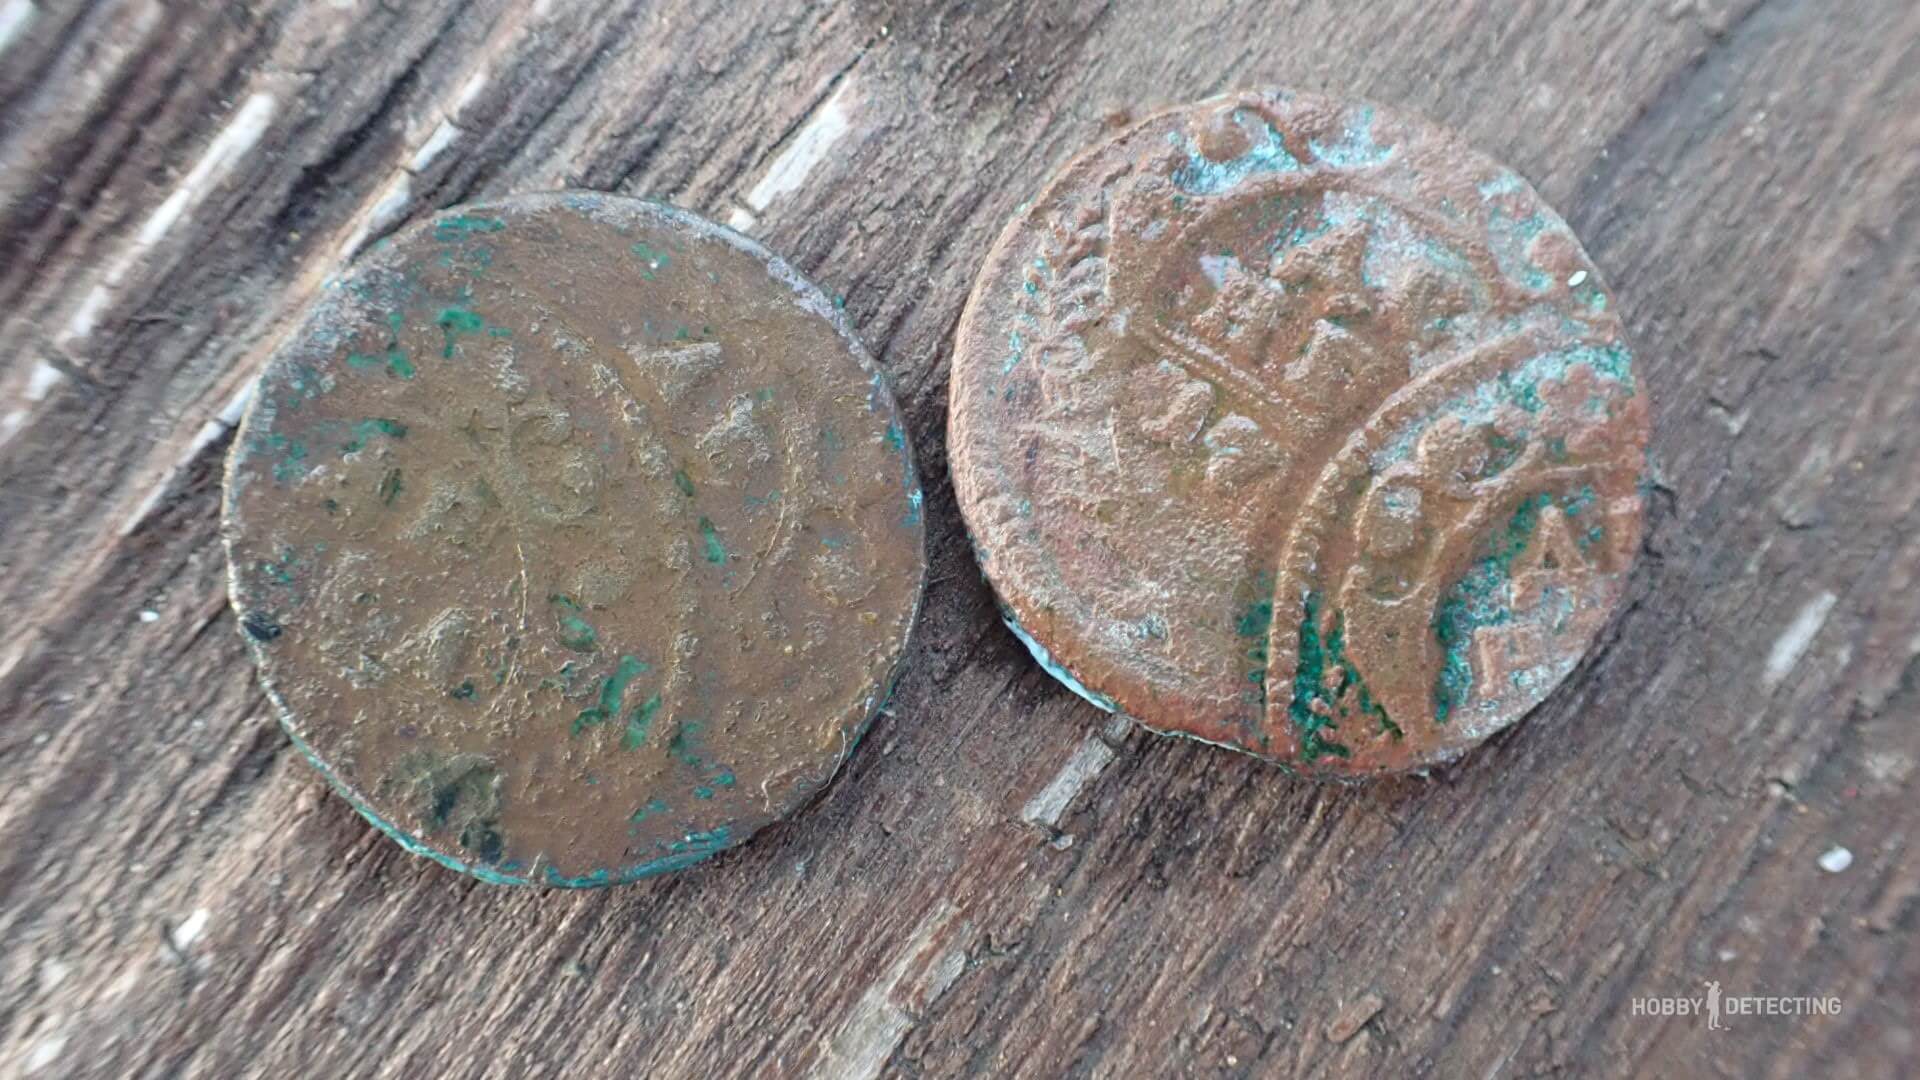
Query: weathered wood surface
{"points": [[998, 884]]}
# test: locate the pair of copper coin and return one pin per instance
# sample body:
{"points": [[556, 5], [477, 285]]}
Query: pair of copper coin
{"points": [[577, 537]]}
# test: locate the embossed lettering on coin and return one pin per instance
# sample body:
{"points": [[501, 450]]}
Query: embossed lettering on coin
{"points": [[576, 538], [1298, 426]]}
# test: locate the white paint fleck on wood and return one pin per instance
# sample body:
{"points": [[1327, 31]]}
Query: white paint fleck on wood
{"points": [[237, 405], [740, 219], [1087, 761], [1734, 422], [53, 972], [14, 17], [84, 316], [924, 970], [189, 930], [392, 202], [208, 432], [21, 648], [387, 208], [227, 148], [42, 379], [470, 90], [227, 420], [1792, 643], [47, 1050], [148, 504], [827, 126], [442, 137], [234, 142]]}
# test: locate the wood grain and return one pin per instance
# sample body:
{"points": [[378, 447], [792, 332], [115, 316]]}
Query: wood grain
{"points": [[180, 895]]}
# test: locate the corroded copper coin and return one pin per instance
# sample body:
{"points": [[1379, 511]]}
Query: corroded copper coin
{"points": [[576, 538], [1297, 426]]}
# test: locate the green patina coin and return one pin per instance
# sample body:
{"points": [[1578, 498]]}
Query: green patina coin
{"points": [[1299, 426], [575, 537]]}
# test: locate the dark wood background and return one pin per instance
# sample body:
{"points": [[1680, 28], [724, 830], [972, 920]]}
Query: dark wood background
{"points": [[999, 883]]}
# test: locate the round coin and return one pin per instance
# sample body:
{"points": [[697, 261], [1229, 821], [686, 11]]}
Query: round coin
{"points": [[1298, 426], [575, 537]]}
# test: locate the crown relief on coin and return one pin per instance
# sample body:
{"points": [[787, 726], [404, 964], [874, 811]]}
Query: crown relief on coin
{"points": [[1297, 426], [576, 538]]}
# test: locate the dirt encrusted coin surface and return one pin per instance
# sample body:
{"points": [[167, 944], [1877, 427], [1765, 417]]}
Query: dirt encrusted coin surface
{"points": [[1298, 426], [575, 537]]}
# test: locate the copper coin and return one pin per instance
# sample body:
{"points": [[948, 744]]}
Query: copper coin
{"points": [[576, 538], [1298, 426]]}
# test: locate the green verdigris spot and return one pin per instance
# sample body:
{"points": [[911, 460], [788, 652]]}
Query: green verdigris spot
{"points": [[641, 721], [396, 362], [1310, 710], [394, 357], [612, 691], [1477, 600], [654, 258], [457, 320], [653, 806], [292, 452], [576, 633], [1253, 625], [464, 226], [367, 429], [710, 537]]}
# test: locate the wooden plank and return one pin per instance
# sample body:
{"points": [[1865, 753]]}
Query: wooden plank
{"points": [[179, 894]]}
